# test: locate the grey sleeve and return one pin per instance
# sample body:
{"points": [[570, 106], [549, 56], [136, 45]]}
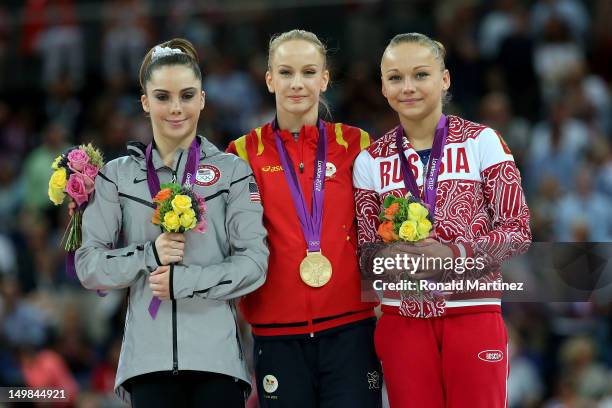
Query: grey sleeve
{"points": [[244, 270], [98, 264]]}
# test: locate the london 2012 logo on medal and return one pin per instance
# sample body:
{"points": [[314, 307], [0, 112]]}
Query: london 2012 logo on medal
{"points": [[207, 175]]}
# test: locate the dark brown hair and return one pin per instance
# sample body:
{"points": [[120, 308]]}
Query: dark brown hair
{"points": [[187, 56]]}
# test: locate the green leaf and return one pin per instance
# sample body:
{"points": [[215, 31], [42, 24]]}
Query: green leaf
{"points": [[390, 199]]}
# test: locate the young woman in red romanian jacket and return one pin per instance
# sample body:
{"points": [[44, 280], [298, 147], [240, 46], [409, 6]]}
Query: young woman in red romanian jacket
{"points": [[313, 333], [447, 347]]}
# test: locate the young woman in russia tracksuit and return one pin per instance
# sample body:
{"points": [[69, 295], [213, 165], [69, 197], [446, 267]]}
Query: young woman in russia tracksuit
{"points": [[188, 352], [313, 333], [441, 349]]}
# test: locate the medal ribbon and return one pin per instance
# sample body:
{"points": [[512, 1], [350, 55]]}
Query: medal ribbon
{"points": [[311, 223], [193, 158], [431, 168]]}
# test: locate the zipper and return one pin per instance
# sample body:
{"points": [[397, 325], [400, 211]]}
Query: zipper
{"points": [[178, 163], [174, 346], [174, 340], [174, 323]]}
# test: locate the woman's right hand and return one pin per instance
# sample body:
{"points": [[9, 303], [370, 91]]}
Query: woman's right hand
{"points": [[170, 247]]}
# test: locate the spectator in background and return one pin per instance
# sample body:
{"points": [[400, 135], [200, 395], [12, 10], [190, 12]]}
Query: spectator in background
{"points": [[11, 192], [37, 167], [233, 94], [495, 112], [578, 358], [554, 57], [557, 147], [497, 25], [46, 369], [21, 322], [583, 208], [184, 22], [458, 28], [62, 105], [5, 36], [516, 63], [16, 127], [572, 13], [589, 98], [524, 385], [602, 39], [543, 205], [127, 33], [60, 44]]}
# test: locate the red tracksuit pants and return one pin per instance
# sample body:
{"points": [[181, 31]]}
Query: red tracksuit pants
{"points": [[449, 362]]}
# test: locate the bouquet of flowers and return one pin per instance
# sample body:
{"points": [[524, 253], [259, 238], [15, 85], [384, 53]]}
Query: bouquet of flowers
{"points": [[74, 173], [179, 209], [404, 218]]}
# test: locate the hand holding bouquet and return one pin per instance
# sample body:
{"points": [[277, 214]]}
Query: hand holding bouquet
{"points": [[178, 209], [74, 174], [405, 219]]}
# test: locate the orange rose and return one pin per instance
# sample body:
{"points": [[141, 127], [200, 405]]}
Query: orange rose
{"points": [[385, 230], [162, 196], [391, 211], [156, 220]]}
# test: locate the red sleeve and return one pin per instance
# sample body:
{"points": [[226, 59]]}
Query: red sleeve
{"points": [[231, 148], [367, 205], [508, 210]]}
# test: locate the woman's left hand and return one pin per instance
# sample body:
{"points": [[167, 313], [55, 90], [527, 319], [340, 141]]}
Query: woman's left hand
{"points": [[159, 282], [429, 248]]}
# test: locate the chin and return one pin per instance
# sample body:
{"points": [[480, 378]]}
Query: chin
{"points": [[298, 109]]}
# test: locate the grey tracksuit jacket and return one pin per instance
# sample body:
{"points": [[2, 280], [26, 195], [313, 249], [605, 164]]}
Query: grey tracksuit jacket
{"points": [[197, 329]]}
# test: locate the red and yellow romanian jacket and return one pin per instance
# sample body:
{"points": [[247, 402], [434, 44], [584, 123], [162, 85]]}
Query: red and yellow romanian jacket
{"points": [[285, 305]]}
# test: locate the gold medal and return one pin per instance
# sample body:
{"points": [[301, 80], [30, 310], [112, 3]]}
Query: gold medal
{"points": [[315, 269]]}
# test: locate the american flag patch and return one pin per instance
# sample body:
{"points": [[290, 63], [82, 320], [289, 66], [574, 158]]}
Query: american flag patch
{"points": [[254, 192]]}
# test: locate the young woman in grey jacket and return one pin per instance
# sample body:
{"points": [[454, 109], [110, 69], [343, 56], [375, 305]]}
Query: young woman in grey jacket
{"points": [[188, 353]]}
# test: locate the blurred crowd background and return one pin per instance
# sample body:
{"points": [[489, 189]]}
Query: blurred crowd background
{"points": [[538, 71]]}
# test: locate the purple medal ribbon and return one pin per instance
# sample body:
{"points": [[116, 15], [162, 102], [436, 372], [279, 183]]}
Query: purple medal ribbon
{"points": [[193, 158], [432, 167], [311, 223]]}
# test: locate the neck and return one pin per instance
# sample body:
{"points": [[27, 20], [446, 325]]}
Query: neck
{"points": [[294, 122], [167, 148], [421, 132]]}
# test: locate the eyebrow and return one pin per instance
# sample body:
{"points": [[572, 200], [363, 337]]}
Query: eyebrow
{"points": [[191, 88], [417, 67], [305, 66]]}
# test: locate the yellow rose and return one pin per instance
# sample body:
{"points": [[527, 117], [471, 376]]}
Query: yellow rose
{"points": [[181, 203], [171, 221], [58, 179], [424, 228], [416, 211], [188, 219], [55, 163], [56, 195], [408, 231]]}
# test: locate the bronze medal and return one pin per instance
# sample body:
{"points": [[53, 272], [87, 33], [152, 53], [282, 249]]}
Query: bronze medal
{"points": [[315, 269]]}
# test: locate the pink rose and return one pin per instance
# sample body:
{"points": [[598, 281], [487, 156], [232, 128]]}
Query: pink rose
{"points": [[77, 158], [78, 187], [90, 170], [202, 225]]}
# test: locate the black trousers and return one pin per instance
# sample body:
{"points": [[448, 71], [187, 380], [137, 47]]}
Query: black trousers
{"points": [[186, 389], [336, 369]]}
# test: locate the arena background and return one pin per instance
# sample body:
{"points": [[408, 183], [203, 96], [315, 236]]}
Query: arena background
{"points": [[537, 71]]}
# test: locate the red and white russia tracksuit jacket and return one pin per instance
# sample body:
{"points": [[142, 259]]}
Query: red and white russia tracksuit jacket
{"points": [[480, 208]]}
